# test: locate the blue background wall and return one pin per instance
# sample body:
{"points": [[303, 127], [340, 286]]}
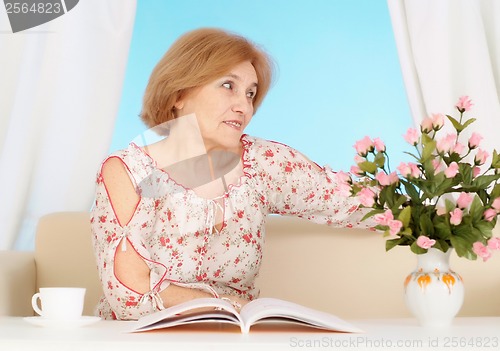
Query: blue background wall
{"points": [[338, 73]]}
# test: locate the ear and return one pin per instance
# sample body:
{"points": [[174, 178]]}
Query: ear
{"points": [[179, 104]]}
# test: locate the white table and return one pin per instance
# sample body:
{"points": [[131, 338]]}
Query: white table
{"points": [[482, 333]]}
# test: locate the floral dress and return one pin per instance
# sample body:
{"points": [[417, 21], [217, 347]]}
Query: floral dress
{"points": [[174, 231]]}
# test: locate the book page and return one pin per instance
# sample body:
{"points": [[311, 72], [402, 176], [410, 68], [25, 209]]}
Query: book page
{"points": [[209, 310], [270, 308], [188, 312]]}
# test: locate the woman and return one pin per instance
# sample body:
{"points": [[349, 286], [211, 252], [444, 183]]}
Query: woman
{"points": [[183, 218]]}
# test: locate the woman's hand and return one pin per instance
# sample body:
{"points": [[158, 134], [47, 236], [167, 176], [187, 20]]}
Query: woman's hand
{"points": [[236, 301]]}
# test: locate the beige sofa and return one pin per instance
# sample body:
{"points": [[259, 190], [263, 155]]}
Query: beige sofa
{"points": [[343, 271]]}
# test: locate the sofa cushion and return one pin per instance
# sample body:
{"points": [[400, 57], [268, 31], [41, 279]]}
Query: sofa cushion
{"points": [[64, 255]]}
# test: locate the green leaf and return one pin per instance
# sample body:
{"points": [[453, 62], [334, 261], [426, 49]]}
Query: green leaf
{"points": [[456, 124], [387, 196], [462, 247], [495, 192], [417, 249], [432, 187], [444, 186], [495, 162], [426, 224], [485, 228], [386, 233], [399, 201], [407, 232], [411, 191], [405, 216], [403, 241], [462, 239], [389, 244], [412, 155], [468, 122], [483, 182], [468, 233], [476, 210], [465, 170], [449, 205], [429, 168], [454, 157], [442, 228], [429, 145], [415, 216], [379, 160], [483, 195], [368, 167], [441, 245]]}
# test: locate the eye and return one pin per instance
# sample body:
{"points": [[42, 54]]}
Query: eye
{"points": [[251, 94], [228, 85]]}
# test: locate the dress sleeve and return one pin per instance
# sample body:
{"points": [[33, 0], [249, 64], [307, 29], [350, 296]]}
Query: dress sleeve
{"points": [[293, 185], [108, 236]]}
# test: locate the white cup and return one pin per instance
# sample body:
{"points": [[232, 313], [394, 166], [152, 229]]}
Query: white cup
{"points": [[59, 303]]}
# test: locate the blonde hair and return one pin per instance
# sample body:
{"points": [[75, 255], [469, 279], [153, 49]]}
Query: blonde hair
{"points": [[195, 59]]}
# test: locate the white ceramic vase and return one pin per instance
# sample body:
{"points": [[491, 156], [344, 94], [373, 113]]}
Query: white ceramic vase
{"points": [[433, 292]]}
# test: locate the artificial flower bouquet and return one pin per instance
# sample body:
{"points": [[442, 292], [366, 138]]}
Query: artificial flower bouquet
{"points": [[448, 197]]}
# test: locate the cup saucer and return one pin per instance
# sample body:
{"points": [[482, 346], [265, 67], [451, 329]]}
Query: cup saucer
{"points": [[62, 323]]}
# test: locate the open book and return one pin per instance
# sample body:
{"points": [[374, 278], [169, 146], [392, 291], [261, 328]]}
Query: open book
{"points": [[254, 312]]}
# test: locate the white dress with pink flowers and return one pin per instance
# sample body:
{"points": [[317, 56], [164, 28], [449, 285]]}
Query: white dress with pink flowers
{"points": [[173, 228]]}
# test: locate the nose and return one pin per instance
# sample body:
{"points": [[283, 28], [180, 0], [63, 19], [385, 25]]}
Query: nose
{"points": [[242, 104]]}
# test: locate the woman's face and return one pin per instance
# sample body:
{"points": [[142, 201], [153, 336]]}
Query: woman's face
{"points": [[223, 108]]}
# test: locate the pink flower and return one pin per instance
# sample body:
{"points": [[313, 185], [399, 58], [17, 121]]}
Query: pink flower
{"points": [[464, 104], [415, 171], [404, 169], [364, 146], [409, 170], [343, 177], [437, 121], [440, 210], [482, 251], [494, 244], [456, 216], [387, 179], [379, 145], [411, 136], [426, 125], [476, 171], [394, 226], [452, 170], [481, 157], [366, 197], [356, 171], [446, 144], [496, 204], [424, 242], [436, 163], [358, 159], [474, 140], [384, 218], [458, 148], [464, 200], [489, 214]]}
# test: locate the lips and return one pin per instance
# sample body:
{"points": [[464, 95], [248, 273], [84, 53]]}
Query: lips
{"points": [[233, 124]]}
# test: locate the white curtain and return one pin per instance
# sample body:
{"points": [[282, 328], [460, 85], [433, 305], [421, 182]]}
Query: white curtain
{"points": [[60, 86], [447, 49]]}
